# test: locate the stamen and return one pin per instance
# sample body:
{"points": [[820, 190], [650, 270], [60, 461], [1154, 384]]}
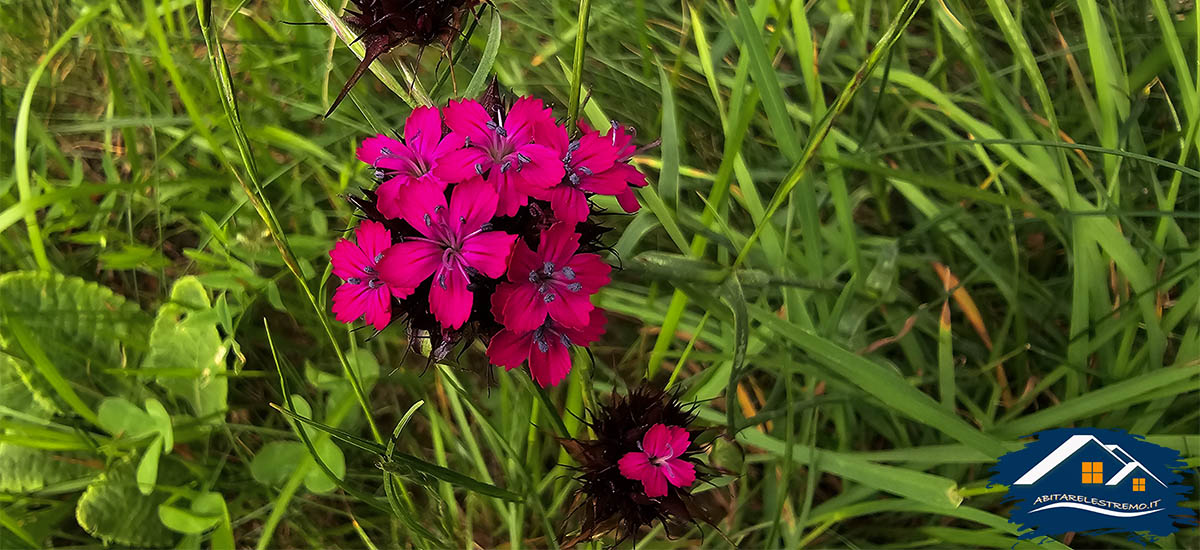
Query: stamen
{"points": [[548, 267], [575, 287], [586, 171], [568, 273], [428, 220], [369, 269], [540, 340], [574, 179], [462, 219], [533, 276], [522, 158], [549, 297], [466, 141], [354, 280], [574, 146], [379, 257], [384, 151], [504, 167], [479, 169], [374, 283], [441, 280]]}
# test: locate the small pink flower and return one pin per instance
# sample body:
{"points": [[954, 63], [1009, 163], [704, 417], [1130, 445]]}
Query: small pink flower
{"points": [[363, 293], [658, 462], [455, 244], [597, 164], [553, 281], [409, 164], [511, 151], [547, 348]]}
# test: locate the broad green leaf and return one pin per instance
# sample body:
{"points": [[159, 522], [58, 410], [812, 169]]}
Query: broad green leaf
{"points": [[275, 461], [186, 521], [278, 459], [80, 328], [213, 504], [120, 418], [112, 509], [162, 423], [24, 470], [185, 336]]}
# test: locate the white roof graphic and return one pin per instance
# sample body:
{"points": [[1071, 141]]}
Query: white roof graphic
{"points": [[1070, 447]]}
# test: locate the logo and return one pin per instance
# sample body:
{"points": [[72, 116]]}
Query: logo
{"points": [[1094, 481]]}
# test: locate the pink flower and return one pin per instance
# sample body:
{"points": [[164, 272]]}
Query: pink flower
{"points": [[454, 245], [547, 348], [658, 462], [363, 293], [512, 151], [597, 164], [553, 281], [411, 163]]}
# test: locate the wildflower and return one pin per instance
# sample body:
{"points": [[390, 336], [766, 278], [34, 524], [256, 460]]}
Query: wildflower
{"points": [[546, 348], [403, 166], [454, 245], [363, 294], [555, 281], [386, 24], [658, 462], [597, 164], [510, 151], [639, 468]]}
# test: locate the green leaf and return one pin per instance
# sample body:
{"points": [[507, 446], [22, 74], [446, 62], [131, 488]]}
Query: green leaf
{"points": [[406, 465], [147, 470], [480, 78], [120, 418], [162, 423], [316, 480], [79, 326], [185, 336], [187, 522], [275, 461], [114, 511], [24, 470]]}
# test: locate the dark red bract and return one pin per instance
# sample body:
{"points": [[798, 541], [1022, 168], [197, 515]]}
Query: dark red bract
{"points": [[386, 24]]}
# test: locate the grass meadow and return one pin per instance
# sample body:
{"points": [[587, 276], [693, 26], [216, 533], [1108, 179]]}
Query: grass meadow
{"points": [[883, 241]]}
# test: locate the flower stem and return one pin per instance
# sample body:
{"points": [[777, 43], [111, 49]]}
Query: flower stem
{"points": [[585, 10]]}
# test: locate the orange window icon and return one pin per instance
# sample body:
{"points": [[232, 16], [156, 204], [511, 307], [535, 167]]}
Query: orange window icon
{"points": [[1139, 484], [1093, 472]]}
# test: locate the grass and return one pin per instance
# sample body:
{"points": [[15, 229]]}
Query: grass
{"points": [[884, 241]]}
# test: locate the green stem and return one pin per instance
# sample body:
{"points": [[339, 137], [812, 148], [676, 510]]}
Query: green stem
{"points": [[585, 10]]}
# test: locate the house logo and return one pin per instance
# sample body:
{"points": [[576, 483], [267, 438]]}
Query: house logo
{"points": [[1094, 481]]}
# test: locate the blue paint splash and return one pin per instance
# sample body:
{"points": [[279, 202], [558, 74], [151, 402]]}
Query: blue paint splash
{"points": [[1094, 481]]}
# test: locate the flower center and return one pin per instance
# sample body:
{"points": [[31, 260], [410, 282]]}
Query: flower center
{"points": [[372, 280]]}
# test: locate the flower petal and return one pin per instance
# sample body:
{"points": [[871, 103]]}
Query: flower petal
{"points": [[635, 465], [472, 204], [657, 441], [488, 252], [509, 349], [529, 120], [512, 193], [590, 272], [348, 260], [379, 308], [423, 130], [549, 359], [590, 333], [628, 201], [388, 195], [375, 148], [655, 484], [524, 309], [522, 263], [569, 309], [349, 302], [558, 243], [407, 264], [372, 238], [421, 204], [543, 170], [595, 154], [569, 203], [680, 439], [468, 118], [449, 299], [462, 164], [679, 473]]}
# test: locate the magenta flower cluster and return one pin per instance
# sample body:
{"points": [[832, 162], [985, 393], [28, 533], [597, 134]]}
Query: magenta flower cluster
{"points": [[477, 227]]}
